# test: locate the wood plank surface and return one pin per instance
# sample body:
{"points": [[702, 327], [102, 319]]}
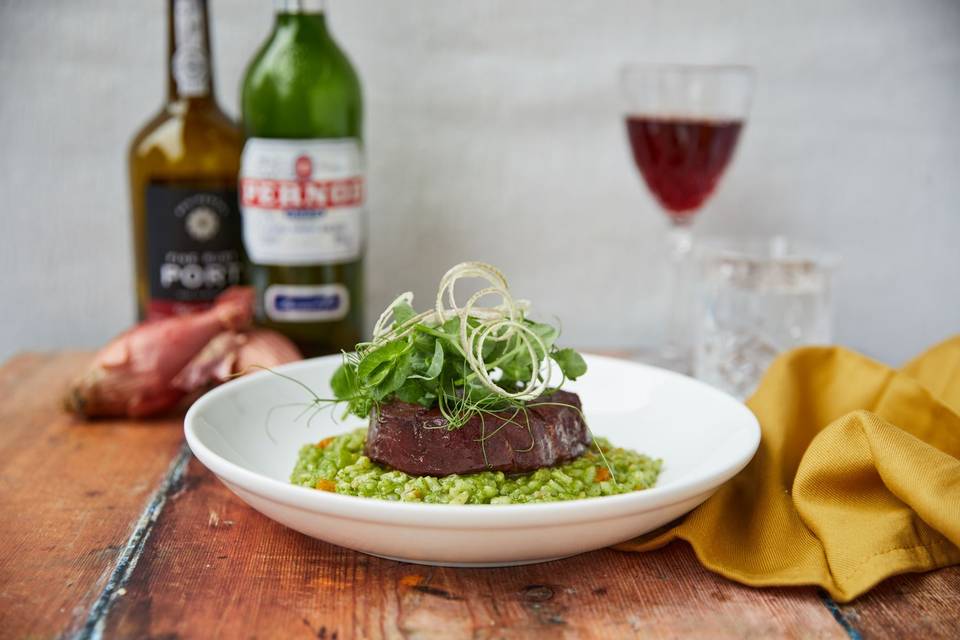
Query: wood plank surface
{"points": [[70, 493], [77, 508], [214, 567], [909, 606]]}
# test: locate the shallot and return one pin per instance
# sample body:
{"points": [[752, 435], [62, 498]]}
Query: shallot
{"points": [[153, 366]]}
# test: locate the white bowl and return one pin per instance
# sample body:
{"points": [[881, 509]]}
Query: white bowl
{"points": [[703, 436]]}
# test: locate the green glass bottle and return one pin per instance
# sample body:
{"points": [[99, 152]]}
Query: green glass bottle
{"points": [[302, 183]]}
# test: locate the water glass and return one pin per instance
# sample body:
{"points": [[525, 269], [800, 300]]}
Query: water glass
{"points": [[756, 299]]}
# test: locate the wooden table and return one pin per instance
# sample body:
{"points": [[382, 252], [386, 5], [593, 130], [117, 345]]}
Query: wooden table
{"points": [[112, 529]]}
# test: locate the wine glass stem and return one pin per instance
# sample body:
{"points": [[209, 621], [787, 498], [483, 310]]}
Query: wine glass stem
{"points": [[680, 246]]}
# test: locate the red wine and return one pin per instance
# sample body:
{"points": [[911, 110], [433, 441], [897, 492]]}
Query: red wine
{"points": [[680, 159]]}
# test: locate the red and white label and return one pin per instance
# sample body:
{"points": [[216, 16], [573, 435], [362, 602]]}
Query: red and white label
{"points": [[302, 201], [301, 194]]}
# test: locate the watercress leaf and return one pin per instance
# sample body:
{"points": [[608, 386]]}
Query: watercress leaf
{"points": [[398, 372], [452, 327], [493, 350], [436, 332], [431, 386], [376, 365], [419, 362], [449, 341], [436, 363], [381, 391], [547, 333], [402, 368], [411, 391], [515, 365], [402, 312], [378, 375], [423, 342], [344, 382], [514, 370], [570, 362]]}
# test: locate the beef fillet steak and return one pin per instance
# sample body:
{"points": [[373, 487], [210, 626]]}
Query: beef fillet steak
{"points": [[416, 440]]}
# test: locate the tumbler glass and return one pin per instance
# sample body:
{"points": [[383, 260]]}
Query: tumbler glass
{"points": [[755, 299]]}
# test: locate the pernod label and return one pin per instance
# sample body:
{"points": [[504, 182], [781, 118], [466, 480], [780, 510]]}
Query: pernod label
{"points": [[302, 201]]}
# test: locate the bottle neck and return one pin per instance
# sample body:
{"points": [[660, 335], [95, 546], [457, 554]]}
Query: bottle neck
{"points": [[299, 6], [305, 26], [189, 72]]}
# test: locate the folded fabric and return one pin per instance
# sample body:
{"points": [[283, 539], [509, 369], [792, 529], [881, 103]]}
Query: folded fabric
{"points": [[857, 477]]}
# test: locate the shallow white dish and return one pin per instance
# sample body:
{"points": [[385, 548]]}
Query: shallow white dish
{"points": [[703, 436]]}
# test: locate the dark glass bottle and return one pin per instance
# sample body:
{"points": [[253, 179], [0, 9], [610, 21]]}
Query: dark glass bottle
{"points": [[183, 173]]}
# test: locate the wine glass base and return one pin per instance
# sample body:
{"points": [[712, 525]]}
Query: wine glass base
{"points": [[666, 358]]}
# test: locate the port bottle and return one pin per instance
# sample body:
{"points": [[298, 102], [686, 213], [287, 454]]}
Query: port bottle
{"points": [[183, 181]]}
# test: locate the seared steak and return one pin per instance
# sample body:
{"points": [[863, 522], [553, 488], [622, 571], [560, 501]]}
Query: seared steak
{"points": [[416, 440]]}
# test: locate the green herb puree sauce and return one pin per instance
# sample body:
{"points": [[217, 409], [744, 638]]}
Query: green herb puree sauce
{"points": [[338, 464]]}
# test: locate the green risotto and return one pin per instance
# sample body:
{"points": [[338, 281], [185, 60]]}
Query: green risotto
{"points": [[338, 464]]}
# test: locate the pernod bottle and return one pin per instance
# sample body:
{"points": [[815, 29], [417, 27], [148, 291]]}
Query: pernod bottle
{"points": [[183, 182], [302, 183]]}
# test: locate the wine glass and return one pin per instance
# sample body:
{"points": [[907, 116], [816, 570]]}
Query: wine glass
{"points": [[683, 123]]}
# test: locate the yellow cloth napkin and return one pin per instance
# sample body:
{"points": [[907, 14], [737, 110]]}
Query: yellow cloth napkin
{"points": [[857, 477]]}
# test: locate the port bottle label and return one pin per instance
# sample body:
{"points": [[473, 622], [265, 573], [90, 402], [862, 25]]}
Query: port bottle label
{"points": [[193, 247], [302, 201]]}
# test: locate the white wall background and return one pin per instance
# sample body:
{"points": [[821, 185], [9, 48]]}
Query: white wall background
{"points": [[494, 132]]}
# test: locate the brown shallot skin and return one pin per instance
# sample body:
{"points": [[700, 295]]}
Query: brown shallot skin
{"points": [[264, 348], [231, 354], [214, 363], [133, 375]]}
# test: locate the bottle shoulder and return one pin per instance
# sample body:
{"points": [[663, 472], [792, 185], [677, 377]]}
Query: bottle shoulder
{"points": [[285, 65], [297, 87], [204, 141], [147, 135]]}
